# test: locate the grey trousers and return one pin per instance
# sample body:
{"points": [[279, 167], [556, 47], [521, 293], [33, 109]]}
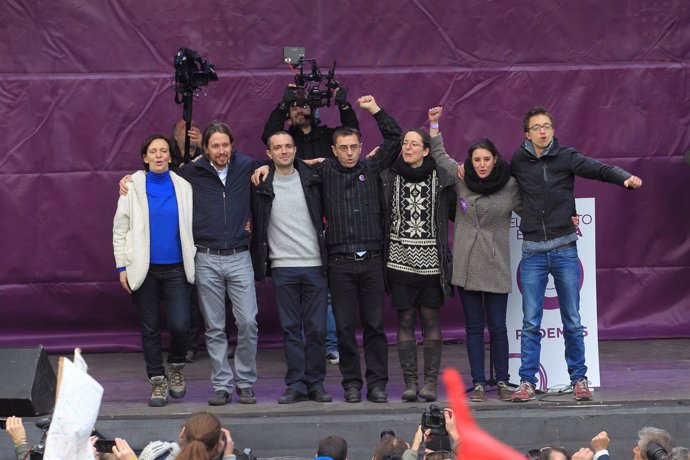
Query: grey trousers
{"points": [[214, 276]]}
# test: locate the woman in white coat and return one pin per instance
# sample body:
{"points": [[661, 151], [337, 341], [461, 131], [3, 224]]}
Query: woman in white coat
{"points": [[154, 254]]}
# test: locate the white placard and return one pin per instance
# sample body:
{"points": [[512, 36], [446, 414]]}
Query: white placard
{"points": [[553, 371], [78, 402]]}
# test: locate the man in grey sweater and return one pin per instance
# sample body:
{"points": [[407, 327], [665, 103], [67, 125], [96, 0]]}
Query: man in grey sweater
{"points": [[288, 244]]}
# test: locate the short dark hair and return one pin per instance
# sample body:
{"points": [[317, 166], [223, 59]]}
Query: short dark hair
{"points": [[147, 142], [346, 131], [332, 446], [426, 138], [390, 447], [268, 141], [483, 143], [217, 126], [545, 453], [537, 110]]}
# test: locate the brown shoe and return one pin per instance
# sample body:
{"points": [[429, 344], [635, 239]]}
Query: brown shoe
{"points": [[504, 392], [478, 394]]}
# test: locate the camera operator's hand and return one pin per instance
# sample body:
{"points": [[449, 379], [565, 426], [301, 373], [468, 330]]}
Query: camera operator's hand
{"points": [[122, 450], [341, 96], [369, 103], [289, 97], [195, 136], [15, 429], [229, 443]]}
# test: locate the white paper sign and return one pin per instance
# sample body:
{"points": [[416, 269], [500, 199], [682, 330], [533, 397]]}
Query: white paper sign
{"points": [[78, 402], [553, 371]]}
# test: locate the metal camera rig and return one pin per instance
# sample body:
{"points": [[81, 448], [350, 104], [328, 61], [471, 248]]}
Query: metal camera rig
{"points": [[313, 88], [191, 73]]}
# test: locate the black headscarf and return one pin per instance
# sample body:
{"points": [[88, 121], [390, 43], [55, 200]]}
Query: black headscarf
{"points": [[495, 181]]}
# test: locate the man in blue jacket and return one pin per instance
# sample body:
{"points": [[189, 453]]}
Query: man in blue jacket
{"points": [[221, 186], [545, 172]]}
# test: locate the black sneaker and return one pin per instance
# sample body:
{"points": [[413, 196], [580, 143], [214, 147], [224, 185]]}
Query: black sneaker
{"points": [[353, 395], [320, 395], [247, 395], [292, 396], [219, 398], [377, 395]]}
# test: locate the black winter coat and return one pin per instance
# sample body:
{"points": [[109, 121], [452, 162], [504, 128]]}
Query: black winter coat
{"points": [[546, 186]]}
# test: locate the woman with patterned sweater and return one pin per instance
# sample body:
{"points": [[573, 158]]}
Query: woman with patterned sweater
{"points": [[418, 200]]}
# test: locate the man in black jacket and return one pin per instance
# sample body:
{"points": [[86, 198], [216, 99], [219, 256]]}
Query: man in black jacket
{"points": [[288, 244], [352, 206], [312, 140], [545, 172]]}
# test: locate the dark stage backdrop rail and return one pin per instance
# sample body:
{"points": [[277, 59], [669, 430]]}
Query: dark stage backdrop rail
{"points": [[83, 83]]}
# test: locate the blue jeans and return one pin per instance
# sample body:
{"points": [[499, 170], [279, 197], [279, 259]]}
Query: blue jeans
{"points": [[535, 267], [300, 294], [331, 336], [483, 308], [215, 276], [167, 284]]}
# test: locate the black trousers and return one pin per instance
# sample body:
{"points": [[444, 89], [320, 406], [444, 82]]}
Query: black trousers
{"points": [[357, 293]]}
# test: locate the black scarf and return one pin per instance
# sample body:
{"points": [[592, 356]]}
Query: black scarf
{"points": [[418, 174], [495, 181]]}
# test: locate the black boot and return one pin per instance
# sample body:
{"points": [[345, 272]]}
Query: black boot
{"points": [[433, 350], [407, 353]]}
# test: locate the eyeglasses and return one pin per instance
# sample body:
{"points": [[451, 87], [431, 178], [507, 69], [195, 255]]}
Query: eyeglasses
{"points": [[537, 128], [412, 144], [438, 455], [346, 148]]}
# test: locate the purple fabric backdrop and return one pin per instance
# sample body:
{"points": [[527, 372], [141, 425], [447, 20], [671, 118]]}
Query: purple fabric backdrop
{"points": [[83, 83]]}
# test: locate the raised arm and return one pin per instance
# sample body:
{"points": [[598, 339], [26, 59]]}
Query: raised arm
{"points": [[389, 128], [590, 168], [438, 151]]}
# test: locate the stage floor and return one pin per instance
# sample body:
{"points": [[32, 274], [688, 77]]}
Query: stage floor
{"points": [[643, 383], [632, 372]]}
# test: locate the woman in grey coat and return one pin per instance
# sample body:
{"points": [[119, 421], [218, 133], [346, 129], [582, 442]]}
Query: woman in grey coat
{"points": [[481, 252]]}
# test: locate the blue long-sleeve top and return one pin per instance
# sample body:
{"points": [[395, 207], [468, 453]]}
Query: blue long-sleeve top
{"points": [[163, 219]]}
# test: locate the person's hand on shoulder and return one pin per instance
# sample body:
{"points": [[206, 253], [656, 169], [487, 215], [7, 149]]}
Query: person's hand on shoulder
{"points": [[124, 188], [260, 174]]}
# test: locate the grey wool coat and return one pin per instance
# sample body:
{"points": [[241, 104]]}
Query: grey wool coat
{"points": [[481, 252]]}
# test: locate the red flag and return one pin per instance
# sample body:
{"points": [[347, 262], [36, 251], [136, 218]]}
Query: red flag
{"points": [[475, 443]]}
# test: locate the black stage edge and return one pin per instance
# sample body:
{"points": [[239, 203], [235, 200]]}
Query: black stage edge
{"points": [[643, 383]]}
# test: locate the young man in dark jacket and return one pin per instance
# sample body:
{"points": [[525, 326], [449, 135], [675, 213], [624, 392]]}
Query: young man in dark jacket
{"points": [[220, 182], [545, 172], [288, 244]]}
